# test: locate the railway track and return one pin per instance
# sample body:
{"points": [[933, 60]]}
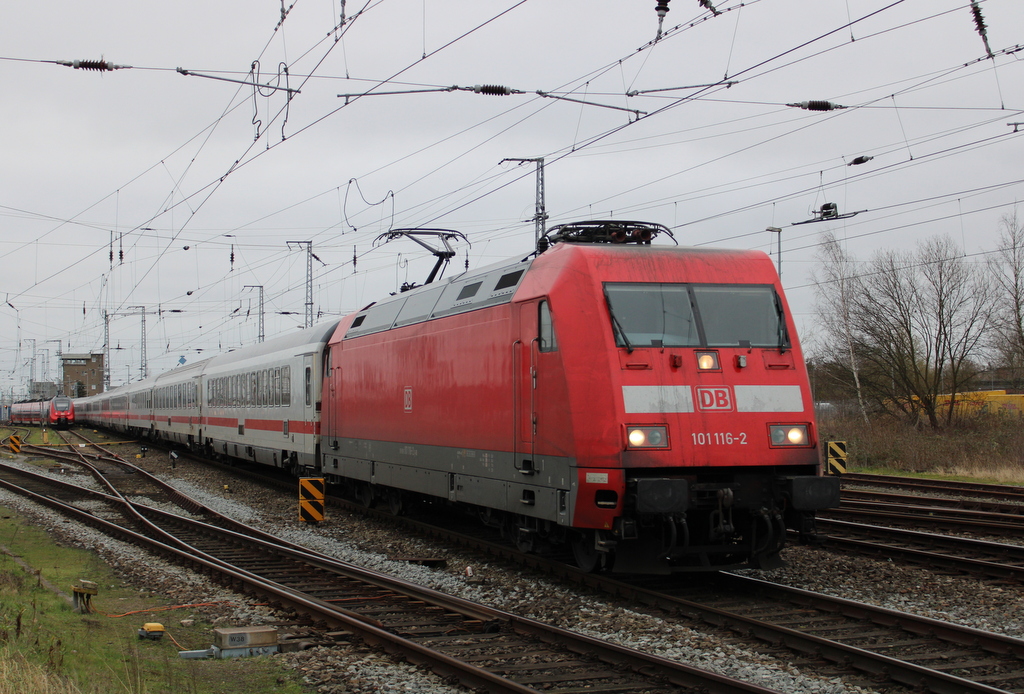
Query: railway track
{"points": [[480, 646], [913, 527], [973, 489], [943, 552], [856, 638], [913, 651], [930, 513]]}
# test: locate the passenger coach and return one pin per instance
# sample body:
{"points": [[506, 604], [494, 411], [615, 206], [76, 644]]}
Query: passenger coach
{"points": [[259, 403]]}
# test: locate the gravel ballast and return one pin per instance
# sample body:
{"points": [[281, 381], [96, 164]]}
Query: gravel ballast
{"points": [[351, 668]]}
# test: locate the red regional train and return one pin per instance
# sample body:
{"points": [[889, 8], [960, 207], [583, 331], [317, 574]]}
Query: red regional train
{"points": [[58, 412], [645, 405]]}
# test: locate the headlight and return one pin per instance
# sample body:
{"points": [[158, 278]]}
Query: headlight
{"points": [[789, 435], [647, 437], [707, 361]]}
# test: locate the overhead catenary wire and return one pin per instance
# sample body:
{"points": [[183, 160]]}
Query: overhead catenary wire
{"points": [[357, 222]]}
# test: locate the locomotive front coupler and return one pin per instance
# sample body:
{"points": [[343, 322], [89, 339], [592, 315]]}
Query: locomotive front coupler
{"points": [[721, 519]]}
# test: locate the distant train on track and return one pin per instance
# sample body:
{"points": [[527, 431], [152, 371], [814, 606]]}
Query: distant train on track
{"points": [[645, 405], [58, 412]]}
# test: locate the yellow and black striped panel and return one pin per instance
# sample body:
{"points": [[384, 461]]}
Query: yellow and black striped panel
{"points": [[835, 461], [311, 499], [14, 443]]}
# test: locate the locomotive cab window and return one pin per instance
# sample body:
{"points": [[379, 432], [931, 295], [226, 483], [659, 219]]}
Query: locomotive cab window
{"points": [[652, 315], [734, 315], [695, 315], [548, 341]]}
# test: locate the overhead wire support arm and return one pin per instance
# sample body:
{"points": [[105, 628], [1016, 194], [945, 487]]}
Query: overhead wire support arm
{"points": [[487, 89], [724, 83], [549, 95], [189, 73], [827, 213], [490, 90]]}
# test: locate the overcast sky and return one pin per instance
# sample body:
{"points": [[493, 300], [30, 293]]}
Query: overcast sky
{"points": [[196, 186]]}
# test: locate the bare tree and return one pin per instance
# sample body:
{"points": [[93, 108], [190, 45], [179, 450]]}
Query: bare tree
{"points": [[1008, 270], [836, 282], [914, 325]]}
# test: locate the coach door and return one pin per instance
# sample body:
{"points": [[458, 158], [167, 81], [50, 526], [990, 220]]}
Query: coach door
{"points": [[308, 391]]}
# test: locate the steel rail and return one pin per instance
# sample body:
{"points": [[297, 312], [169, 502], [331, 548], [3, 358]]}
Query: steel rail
{"points": [[865, 660], [446, 666], [1008, 508], [875, 540], [997, 491], [929, 517], [868, 661]]}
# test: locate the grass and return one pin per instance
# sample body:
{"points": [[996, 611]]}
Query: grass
{"points": [[987, 448], [46, 647]]}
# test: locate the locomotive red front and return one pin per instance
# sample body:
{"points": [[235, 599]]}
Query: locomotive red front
{"points": [[647, 405]]}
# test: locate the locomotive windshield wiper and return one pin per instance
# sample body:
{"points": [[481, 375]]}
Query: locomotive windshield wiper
{"points": [[617, 326], [783, 334]]}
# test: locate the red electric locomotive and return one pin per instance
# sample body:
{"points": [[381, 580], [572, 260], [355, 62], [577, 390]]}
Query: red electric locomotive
{"points": [[646, 405]]}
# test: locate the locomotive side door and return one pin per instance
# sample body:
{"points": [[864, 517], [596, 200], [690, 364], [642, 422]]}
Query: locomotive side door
{"points": [[525, 367], [537, 384]]}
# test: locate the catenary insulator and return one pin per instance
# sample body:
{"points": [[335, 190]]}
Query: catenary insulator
{"points": [[492, 89], [816, 105], [98, 65], [862, 159]]}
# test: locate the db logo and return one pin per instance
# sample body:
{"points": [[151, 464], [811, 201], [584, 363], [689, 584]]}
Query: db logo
{"points": [[719, 398], [408, 399]]}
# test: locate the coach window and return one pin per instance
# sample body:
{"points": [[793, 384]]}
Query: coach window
{"points": [[548, 341], [286, 386], [309, 386]]}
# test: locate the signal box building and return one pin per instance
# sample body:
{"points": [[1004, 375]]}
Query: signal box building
{"points": [[83, 374]]}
